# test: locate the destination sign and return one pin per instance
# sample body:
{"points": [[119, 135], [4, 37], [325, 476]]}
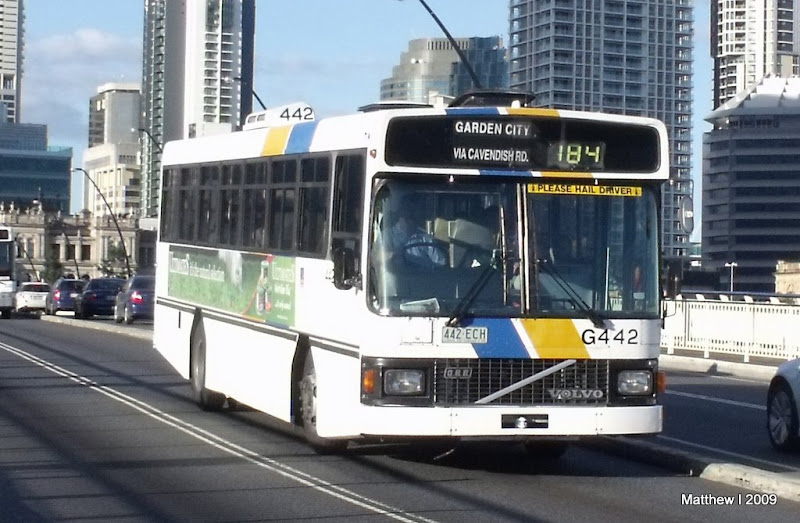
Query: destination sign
{"points": [[530, 143]]}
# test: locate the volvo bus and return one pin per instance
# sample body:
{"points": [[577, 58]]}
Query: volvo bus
{"points": [[523, 307]]}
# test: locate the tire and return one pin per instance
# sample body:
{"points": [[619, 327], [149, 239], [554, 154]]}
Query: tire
{"points": [[782, 422], [47, 310], [5, 314], [308, 409], [127, 315], [205, 399], [117, 317]]}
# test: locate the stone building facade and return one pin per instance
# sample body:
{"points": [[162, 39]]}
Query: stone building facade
{"points": [[83, 244]]}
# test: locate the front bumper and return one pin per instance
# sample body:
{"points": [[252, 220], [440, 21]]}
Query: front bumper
{"points": [[507, 422]]}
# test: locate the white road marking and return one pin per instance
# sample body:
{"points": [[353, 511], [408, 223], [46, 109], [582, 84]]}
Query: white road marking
{"points": [[224, 445], [727, 453], [717, 400]]}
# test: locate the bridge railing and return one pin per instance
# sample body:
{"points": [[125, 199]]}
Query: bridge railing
{"points": [[746, 329]]}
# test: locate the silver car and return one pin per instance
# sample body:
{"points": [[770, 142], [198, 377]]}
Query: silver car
{"points": [[783, 397]]}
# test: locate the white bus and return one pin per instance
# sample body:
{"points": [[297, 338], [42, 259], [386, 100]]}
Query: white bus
{"points": [[9, 272], [524, 305]]}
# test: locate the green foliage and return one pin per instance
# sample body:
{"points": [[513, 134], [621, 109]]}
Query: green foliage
{"points": [[52, 267], [114, 264]]}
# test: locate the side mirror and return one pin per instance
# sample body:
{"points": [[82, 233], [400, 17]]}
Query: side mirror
{"points": [[345, 269], [673, 278]]}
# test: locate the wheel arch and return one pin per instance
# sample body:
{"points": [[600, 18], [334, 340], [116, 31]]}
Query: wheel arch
{"points": [[197, 319], [301, 353]]}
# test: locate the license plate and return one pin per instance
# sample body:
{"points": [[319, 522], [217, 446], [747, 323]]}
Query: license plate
{"points": [[465, 335]]}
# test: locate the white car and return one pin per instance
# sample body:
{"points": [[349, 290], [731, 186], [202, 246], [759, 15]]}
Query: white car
{"points": [[783, 426], [31, 297]]}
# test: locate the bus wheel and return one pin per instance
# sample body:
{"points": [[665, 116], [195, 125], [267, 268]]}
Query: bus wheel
{"points": [[206, 399], [308, 407]]}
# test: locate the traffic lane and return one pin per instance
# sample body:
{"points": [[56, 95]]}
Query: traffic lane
{"points": [[723, 417], [136, 468]]}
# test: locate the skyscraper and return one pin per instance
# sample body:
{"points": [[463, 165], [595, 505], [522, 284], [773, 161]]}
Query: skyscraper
{"points": [[751, 39], [111, 159], [197, 76], [620, 56], [751, 168], [432, 66], [11, 57]]}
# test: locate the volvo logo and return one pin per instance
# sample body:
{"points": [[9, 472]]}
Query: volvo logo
{"points": [[457, 373], [576, 394]]}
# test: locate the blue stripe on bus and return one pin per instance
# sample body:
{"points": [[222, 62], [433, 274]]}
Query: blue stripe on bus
{"points": [[473, 111], [300, 138], [504, 341]]}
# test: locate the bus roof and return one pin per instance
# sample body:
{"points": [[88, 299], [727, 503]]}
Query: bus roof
{"points": [[367, 130]]}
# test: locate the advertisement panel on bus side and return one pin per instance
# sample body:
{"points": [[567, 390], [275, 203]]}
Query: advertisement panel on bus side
{"points": [[256, 286]]}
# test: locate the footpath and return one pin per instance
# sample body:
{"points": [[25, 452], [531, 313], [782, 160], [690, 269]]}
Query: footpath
{"points": [[785, 485]]}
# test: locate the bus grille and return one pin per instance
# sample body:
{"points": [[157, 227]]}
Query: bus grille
{"points": [[465, 381]]}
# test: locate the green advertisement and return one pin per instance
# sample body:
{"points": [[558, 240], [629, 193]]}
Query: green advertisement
{"points": [[256, 286]]}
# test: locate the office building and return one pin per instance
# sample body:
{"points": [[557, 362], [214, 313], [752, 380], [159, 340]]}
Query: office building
{"points": [[30, 170], [629, 57], [751, 39], [11, 58], [111, 160], [431, 67], [751, 185], [199, 57]]}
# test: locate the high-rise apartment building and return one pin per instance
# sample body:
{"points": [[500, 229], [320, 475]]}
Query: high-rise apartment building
{"points": [[751, 39], [197, 76], [751, 184], [431, 66], [11, 56], [620, 56], [111, 159]]}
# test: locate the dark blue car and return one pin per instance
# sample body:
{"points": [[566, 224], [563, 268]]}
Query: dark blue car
{"points": [[97, 298], [62, 295], [136, 299]]}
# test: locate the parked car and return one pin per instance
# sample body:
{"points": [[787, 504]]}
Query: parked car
{"points": [[62, 295], [97, 298], [136, 300], [783, 397], [31, 297]]}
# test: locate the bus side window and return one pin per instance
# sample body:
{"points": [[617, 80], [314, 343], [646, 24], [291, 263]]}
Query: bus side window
{"points": [[348, 203]]}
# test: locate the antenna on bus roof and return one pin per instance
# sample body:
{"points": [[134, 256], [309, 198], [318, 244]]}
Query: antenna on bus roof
{"points": [[494, 98], [475, 80]]}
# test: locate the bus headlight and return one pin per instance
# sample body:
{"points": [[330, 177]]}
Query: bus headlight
{"points": [[404, 382], [635, 382]]}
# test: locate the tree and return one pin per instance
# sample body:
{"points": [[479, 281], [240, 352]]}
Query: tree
{"points": [[114, 263], [52, 267]]}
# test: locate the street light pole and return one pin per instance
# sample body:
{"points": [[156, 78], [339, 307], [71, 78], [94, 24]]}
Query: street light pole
{"points": [[731, 265], [113, 216], [152, 139]]}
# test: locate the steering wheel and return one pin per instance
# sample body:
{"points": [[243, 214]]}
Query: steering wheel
{"points": [[426, 244]]}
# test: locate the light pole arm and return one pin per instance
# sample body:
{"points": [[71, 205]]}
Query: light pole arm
{"points": [[152, 139], [113, 215]]}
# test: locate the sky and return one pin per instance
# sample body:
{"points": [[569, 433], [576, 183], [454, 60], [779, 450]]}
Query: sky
{"points": [[330, 54]]}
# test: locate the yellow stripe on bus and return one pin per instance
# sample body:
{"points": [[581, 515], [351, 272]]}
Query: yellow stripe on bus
{"points": [[276, 141], [533, 111], [555, 338]]}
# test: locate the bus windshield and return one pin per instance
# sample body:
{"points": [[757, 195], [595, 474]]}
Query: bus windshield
{"points": [[512, 249], [7, 250]]}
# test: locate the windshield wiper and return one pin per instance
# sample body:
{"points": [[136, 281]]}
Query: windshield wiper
{"points": [[572, 294], [462, 306]]}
